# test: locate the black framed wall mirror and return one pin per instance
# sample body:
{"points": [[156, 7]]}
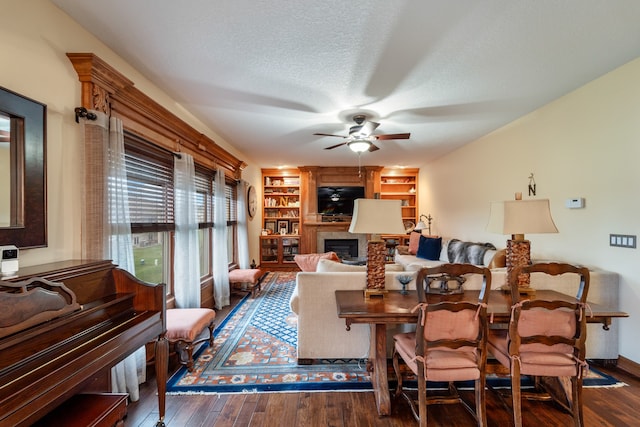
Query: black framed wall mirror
{"points": [[23, 211]]}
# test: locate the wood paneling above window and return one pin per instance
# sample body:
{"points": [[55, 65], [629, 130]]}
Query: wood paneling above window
{"points": [[105, 89]]}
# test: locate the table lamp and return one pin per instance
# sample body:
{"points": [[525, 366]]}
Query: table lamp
{"points": [[520, 217], [375, 217]]}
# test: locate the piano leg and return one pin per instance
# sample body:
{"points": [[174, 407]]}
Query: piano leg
{"points": [[162, 368]]}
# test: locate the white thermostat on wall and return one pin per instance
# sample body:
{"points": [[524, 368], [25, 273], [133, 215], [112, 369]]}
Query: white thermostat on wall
{"points": [[576, 203], [8, 260]]}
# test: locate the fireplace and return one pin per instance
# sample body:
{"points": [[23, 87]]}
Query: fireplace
{"points": [[345, 248], [341, 236]]}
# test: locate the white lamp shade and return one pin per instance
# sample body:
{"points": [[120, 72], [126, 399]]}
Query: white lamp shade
{"points": [[377, 216], [521, 217], [359, 145], [420, 226]]}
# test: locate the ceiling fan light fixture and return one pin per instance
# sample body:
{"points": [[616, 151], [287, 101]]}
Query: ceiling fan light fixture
{"points": [[359, 145]]}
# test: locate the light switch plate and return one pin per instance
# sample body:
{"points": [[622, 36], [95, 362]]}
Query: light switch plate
{"points": [[623, 240]]}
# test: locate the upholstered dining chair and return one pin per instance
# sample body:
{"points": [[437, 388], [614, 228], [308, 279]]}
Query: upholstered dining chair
{"points": [[545, 339], [449, 343]]}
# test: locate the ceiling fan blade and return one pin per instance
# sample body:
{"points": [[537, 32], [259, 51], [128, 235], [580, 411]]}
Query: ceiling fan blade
{"points": [[368, 128], [373, 148], [335, 146], [393, 136], [329, 134]]}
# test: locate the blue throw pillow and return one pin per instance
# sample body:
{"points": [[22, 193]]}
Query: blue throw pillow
{"points": [[429, 248]]}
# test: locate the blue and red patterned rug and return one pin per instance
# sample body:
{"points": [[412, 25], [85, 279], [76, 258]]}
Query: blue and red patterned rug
{"points": [[255, 351]]}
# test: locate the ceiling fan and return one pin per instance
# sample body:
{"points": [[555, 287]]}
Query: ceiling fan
{"points": [[360, 135]]}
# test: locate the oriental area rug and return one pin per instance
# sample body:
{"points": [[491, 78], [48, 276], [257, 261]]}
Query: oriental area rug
{"points": [[254, 351]]}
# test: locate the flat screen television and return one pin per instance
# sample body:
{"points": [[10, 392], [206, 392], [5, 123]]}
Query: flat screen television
{"points": [[338, 200]]}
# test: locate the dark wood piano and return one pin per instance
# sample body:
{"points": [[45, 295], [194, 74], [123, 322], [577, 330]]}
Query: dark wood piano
{"points": [[53, 347]]}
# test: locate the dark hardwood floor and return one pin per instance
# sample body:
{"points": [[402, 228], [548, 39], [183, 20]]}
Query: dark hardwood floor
{"points": [[602, 407]]}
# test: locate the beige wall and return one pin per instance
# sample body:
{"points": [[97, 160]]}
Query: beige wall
{"points": [[585, 144], [36, 36]]}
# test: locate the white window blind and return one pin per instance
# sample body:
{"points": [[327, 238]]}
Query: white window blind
{"points": [[150, 186]]}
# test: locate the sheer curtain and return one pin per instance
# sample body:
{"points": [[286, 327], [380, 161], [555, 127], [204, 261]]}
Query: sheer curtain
{"points": [[243, 233], [186, 265], [128, 374], [220, 255]]}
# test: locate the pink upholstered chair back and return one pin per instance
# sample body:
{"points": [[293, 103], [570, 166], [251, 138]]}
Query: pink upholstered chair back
{"points": [[453, 324], [551, 328], [450, 342]]}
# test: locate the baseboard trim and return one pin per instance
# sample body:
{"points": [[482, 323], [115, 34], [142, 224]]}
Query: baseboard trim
{"points": [[629, 366]]}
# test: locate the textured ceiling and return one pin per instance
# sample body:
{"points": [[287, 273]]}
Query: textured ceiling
{"points": [[266, 74]]}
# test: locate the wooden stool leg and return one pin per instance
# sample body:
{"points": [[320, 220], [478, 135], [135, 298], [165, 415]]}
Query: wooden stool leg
{"points": [[190, 357], [211, 328]]}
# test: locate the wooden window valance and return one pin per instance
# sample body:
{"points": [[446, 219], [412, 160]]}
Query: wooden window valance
{"points": [[105, 89]]}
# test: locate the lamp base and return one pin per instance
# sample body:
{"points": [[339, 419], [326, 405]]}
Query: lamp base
{"points": [[376, 258], [368, 293], [518, 254]]}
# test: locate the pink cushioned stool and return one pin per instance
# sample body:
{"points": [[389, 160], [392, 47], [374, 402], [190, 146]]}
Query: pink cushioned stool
{"points": [[241, 277], [184, 325]]}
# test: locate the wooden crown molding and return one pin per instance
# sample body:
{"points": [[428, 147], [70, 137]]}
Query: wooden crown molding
{"points": [[107, 90]]}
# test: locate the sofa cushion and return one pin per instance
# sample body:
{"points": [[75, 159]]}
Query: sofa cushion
{"points": [[393, 267], [498, 260], [429, 248], [328, 266], [309, 262], [402, 250]]}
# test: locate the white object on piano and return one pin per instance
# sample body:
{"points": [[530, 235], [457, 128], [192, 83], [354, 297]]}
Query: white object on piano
{"points": [[8, 260]]}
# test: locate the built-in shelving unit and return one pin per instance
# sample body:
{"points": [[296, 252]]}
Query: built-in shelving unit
{"points": [[400, 184], [280, 241]]}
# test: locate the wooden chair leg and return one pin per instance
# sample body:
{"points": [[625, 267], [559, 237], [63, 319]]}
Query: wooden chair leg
{"points": [[396, 369], [576, 401], [481, 408], [516, 395], [422, 397]]}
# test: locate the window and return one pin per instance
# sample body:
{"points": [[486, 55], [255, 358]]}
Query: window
{"points": [[151, 198], [150, 188], [144, 115], [230, 193], [204, 199]]}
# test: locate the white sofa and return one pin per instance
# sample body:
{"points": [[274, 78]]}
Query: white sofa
{"points": [[321, 334]]}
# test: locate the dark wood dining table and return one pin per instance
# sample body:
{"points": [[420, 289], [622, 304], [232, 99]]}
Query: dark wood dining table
{"points": [[395, 307]]}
